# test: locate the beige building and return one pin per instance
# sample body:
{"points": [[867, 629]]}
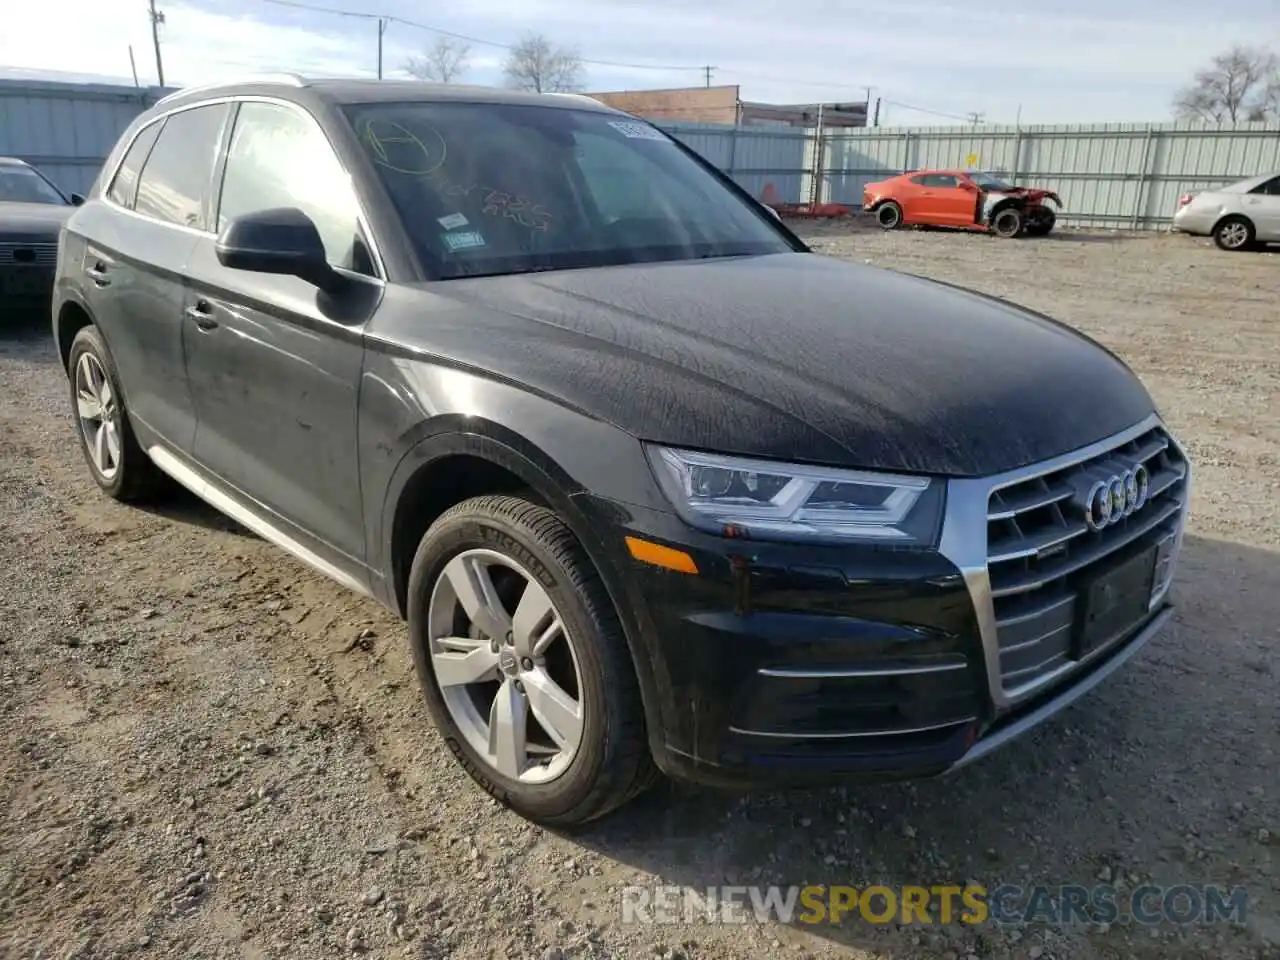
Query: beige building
{"points": [[724, 105]]}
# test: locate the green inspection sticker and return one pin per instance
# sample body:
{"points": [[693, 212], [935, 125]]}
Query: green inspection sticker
{"points": [[463, 240]]}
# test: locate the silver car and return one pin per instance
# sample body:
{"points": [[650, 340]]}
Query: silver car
{"points": [[1237, 216]]}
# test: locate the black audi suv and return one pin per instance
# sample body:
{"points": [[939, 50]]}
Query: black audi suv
{"points": [[656, 487]]}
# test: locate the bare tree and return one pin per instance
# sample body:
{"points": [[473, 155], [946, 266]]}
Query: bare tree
{"points": [[535, 64], [444, 62], [1241, 84]]}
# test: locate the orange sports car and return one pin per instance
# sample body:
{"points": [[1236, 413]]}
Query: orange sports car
{"points": [[967, 199]]}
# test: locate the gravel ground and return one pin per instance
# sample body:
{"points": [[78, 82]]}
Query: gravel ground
{"points": [[208, 751]]}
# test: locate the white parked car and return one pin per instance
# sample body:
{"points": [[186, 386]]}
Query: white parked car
{"points": [[1237, 216]]}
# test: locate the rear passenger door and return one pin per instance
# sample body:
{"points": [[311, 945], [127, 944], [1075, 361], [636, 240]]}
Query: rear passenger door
{"points": [[137, 245], [274, 363]]}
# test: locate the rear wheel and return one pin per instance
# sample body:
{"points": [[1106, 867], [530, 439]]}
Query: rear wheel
{"points": [[889, 215], [523, 662], [1234, 234], [117, 463], [1007, 223]]}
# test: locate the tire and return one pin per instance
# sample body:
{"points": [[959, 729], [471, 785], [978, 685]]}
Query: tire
{"points": [[1234, 234], [889, 215], [510, 538], [1042, 224], [1007, 223], [126, 473]]}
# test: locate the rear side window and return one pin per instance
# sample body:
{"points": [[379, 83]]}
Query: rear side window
{"points": [[936, 180], [125, 184], [174, 185], [1271, 188]]}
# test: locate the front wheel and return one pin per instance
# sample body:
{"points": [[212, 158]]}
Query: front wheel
{"points": [[1041, 224], [523, 662]]}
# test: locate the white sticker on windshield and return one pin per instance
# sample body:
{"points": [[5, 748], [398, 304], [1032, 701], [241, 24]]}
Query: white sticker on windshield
{"points": [[638, 131], [470, 240], [453, 221]]}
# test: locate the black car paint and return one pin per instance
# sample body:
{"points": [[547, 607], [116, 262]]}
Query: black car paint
{"points": [[321, 413], [29, 226]]}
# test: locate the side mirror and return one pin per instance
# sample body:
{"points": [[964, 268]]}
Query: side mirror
{"points": [[282, 241], [969, 185], [77, 199]]}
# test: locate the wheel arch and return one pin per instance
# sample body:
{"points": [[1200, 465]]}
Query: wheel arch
{"points": [[73, 316], [464, 457], [1233, 215]]}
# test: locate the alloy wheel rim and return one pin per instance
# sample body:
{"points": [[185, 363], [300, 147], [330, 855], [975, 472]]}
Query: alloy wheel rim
{"points": [[99, 415], [1233, 235], [506, 666], [888, 216]]}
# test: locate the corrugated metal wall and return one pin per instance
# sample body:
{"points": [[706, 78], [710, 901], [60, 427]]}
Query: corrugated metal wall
{"points": [[1112, 175], [66, 129], [754, 158]]}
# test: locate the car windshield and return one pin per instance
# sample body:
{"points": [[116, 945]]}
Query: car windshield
{"points": [[488, 189], [24, 185], [988, 181]]}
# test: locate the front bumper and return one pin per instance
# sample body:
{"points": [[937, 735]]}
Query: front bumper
{"points": [[802, 665]]}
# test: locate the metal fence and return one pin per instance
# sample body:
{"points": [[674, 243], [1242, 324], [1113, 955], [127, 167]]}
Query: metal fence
{"points": [[1125, 176], [67, 129], [1110, 175]]}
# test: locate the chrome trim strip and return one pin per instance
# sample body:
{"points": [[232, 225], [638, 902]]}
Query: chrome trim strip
{"points": [[855, 734], [964, 543], [808, 673], [1068, 696], [194, 482], [361, 217]]}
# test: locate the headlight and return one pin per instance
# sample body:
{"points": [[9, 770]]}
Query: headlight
{"points": [[732, 496]]}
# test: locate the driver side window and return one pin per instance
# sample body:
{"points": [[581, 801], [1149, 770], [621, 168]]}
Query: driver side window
{"points": [[279, 158]]}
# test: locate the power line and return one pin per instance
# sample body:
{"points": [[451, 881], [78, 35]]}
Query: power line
{"points": [[667, 68]]}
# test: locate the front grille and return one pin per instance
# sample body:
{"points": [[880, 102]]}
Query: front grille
{"points": [[22, 254], [1041, 553]]}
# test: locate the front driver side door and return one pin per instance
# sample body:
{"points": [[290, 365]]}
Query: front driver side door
{"points": [[274, 363], [947, 202]]}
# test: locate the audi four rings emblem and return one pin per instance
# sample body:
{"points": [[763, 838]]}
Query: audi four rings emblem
{"points": [[1115, 498]]}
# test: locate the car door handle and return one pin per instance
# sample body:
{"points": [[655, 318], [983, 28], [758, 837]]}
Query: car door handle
{"points": [[98, 274], [202, 315]]}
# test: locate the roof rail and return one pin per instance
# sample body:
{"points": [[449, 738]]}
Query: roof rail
{"points": [[289, 79]]}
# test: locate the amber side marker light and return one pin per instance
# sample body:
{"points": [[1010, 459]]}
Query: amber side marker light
{"points": [[661, 556]]}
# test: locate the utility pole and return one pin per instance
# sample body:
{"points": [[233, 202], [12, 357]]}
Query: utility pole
{"points": [[876, 122], [157, 18], [706, 72], [975, 117], [382, 28]]}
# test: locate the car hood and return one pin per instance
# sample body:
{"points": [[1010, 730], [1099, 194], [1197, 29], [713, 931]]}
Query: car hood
{"points": [[794, 356], [33, 219]]}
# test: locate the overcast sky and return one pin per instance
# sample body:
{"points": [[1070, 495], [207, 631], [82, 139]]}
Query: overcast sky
{"points": [[1060, 60]]}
